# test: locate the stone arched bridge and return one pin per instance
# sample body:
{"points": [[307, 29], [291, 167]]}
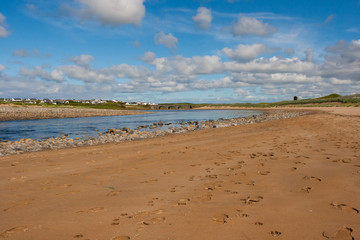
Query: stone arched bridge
{"points": [[171, 107]]}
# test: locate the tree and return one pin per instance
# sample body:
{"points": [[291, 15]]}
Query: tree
{"points": [[295, 98]]}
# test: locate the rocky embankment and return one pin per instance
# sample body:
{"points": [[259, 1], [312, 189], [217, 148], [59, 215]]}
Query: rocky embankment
{"points": [[126, 134], [9, 113]]}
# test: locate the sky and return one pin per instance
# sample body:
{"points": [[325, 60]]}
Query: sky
{"points": [[198, 51]]}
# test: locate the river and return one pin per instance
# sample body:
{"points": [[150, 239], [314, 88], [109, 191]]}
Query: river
{"points": [[91, 126]]}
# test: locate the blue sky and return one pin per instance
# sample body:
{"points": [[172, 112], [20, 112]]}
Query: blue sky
{"points": [[179, 50]]}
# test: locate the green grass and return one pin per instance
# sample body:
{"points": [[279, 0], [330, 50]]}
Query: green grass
{"points": [[326, 101]]}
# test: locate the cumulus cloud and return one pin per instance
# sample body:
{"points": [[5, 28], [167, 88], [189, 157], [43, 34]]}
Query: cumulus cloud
{"points": [[38, 72], [197, 65], [203, 18], [252, 26], [272, 65], [113, 12], [83, 60], [3, 31], [245, 53], [148, 57], [168, 41], [275, 78], [348, 51], [343, 62], [85, 74]]}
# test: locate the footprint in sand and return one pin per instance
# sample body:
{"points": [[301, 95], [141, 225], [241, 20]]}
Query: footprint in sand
{"points": [[94, 209], [149, 181], [251, 200], [195, 165], [115, 222], [263, 172], [183, 201], [312, 178], [168, 172], [221, 218], [205, 197], [158, 220], [343, 233], [121, 238], [212, 186], [345, 207], [78, 236], [275, 233], [211, 176], [240, 213], [10, 231], [305, 189], [113, 193], [259, 223], [343, 161], [250, 183], [18, 204]]}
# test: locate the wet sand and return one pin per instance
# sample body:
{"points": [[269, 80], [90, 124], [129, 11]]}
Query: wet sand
{"points": [[295, 178], [10, 113]]}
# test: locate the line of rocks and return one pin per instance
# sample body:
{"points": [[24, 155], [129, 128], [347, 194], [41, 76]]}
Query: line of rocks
{"points": [[126, 134], [10, 113]]}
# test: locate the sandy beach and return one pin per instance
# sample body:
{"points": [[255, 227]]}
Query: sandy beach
{"points": [[9, 112], [296, 178]]}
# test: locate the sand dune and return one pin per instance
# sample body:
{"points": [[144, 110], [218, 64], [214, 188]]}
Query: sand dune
{"points": [[294, 178]]}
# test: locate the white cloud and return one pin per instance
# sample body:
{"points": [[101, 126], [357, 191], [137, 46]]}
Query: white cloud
{"points": [[197, 65], [275, 78], [38, 72], [245, 53], [85, 74], [2, 68], [83, 60], [272, 65], [344, 61], [349, 52], [168, 41], [252, 26], [3, 31], [203, 18], [113, 12], [148, 57]]}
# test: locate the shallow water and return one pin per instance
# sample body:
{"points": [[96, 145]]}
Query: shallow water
{"points": [[91, 126]]}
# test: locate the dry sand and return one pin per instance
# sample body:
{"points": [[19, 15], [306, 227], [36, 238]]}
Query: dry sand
{"points": [[295, 178]]}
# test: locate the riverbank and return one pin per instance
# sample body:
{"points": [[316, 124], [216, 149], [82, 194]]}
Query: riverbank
{"points": [[296, 178], [10, 113], [126, 134]]}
